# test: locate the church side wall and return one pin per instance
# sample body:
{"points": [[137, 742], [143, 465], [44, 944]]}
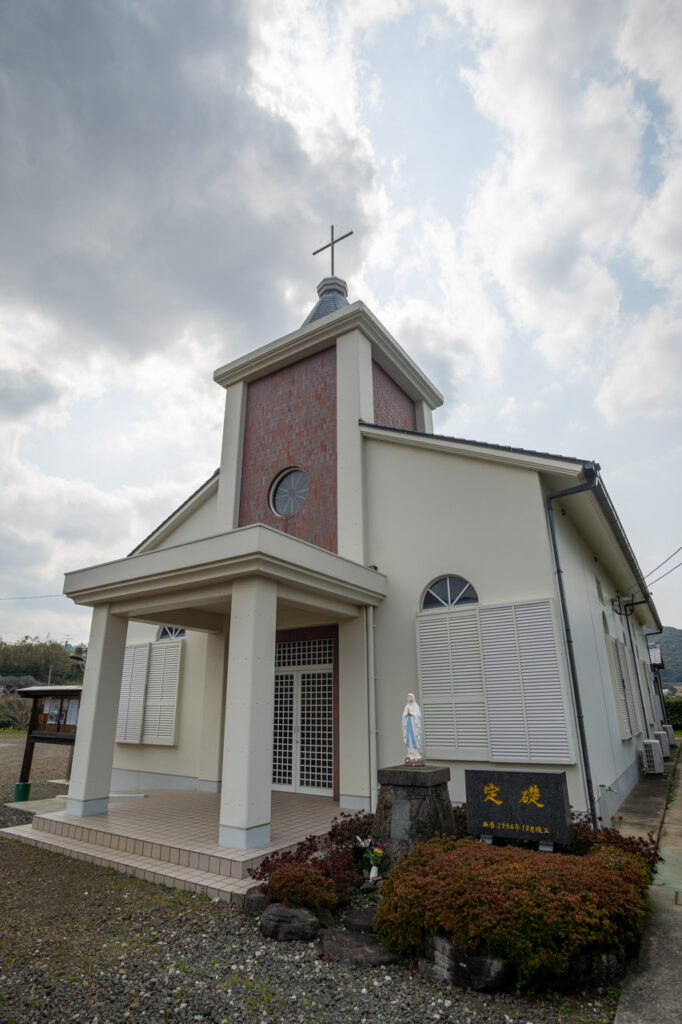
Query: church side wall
{"points": [[431, 514], [392, 407], [291, 421], [613, 760]]}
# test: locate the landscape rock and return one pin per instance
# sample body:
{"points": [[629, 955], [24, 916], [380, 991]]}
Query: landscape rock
{"points": [[360, 950], [288, 924], [447, 962], [255, 902], [361, 919]]}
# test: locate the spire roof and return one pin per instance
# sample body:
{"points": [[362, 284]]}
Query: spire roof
{"points": [[332, 292]]}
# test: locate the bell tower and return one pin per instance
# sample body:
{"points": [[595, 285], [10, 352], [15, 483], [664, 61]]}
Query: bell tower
{"points": [[292, 454]]}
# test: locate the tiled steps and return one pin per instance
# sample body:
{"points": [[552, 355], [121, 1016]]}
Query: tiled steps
{"points": [[153, 865]]}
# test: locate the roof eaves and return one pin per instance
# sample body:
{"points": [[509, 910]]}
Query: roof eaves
{"points": [[608, 510], [174, 513], [477, 444], [601, 494]]}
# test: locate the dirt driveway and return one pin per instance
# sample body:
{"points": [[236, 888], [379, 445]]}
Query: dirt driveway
{"points": [[50, 761]]}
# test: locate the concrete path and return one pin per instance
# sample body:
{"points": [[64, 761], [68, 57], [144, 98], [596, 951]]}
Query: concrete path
{"points": [[651, 993]]}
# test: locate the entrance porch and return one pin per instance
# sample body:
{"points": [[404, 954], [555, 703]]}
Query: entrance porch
{"points": [[171, 837], [239, 590]]}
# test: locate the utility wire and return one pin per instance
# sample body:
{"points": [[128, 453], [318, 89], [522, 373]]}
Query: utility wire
{"points": [[663, 562], [31, 597], [666, 573]]}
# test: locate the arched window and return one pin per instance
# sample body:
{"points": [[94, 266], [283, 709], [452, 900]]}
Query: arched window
{"points": [[447, 592], [171, 633]]}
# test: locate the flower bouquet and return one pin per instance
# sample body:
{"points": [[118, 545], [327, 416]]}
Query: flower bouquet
{"points": [[374, 853]]}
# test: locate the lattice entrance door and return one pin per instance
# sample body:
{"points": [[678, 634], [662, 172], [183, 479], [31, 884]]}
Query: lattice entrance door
{"points": [[303, 749]]}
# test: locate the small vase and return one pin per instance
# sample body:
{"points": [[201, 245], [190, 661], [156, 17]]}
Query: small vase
{"points": [[373, 872]]}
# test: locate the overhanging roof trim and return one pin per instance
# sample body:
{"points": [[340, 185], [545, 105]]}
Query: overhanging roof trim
{"points": [[321, 334], [478, 444], [180, 513], [535, 459], [609, 512], [224, 557]]}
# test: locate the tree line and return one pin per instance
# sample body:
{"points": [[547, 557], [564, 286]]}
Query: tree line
{"points": [[39, 659]]}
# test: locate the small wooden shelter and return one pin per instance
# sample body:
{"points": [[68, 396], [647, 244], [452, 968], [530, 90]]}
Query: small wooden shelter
{"points": [[54, 717]]}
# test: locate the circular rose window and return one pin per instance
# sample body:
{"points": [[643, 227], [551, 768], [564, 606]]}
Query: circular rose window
{"points": [[288, 492]]}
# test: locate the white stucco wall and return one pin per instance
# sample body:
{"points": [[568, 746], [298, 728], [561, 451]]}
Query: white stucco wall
{"points": [[431, 514], [199, 716], [202, 522]]}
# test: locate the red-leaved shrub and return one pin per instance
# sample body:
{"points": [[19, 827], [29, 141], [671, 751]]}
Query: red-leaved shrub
{"points": [[300, 885], [532, 909], [585, 838]]}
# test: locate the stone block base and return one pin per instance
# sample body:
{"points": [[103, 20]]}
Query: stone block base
{"points": [[414, 805]]}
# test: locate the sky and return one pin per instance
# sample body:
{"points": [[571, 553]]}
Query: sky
{"points": [[512, 173]]}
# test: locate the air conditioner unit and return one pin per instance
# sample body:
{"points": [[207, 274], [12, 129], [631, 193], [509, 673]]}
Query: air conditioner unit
{"points": [[662, 738], [671, 734], [652, 757]]}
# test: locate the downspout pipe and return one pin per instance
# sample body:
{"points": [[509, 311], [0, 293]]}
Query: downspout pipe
{"points": [[372, 710], [625, 606], [591, 473]]}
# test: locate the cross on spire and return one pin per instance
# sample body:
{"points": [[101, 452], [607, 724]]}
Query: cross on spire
{"points": [[330, 245]]}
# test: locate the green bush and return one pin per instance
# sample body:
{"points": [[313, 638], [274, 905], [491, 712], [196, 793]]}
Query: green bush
{"points": [[673, 709], [534, 910], [301, 885]]}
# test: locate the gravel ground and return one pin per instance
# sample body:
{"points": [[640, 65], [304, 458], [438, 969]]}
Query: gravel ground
{"points": [[83, 943]]}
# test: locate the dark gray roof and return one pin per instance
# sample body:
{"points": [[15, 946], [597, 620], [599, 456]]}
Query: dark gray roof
{"points": [[332, 293], [478, 444]]}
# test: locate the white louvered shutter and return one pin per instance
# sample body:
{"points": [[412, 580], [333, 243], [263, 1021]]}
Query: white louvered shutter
{"points": [[471, 728], [162, 693], [131, 703], [619, 688], [503, 688], [636, 690], [435, 686], [451, 685], [627, 684], [645, 675], [541, 680], [526, 713]]}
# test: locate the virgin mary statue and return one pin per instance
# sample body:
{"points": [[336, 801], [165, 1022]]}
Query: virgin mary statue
{"points": [[412, 731]]}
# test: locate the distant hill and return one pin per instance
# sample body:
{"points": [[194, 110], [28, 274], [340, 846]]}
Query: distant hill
{"points": [[670, 642]]}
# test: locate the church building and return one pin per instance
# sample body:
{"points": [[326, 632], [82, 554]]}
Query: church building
{"points": [[266, 634]]}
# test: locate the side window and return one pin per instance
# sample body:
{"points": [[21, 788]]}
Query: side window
{"points": [[448, 592], [489, 678], [170, 633]]}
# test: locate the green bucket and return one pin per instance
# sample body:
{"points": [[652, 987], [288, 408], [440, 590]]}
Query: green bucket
{"points": [[22, 791]]}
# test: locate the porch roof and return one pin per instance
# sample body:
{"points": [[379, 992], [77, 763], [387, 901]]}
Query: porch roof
{"points": [[195, 578]]}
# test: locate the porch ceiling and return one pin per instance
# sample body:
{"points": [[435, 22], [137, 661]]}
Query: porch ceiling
{"points": [[191, 584]]}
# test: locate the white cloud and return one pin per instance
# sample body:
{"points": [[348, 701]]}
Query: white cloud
{"points": [[646, 378]]}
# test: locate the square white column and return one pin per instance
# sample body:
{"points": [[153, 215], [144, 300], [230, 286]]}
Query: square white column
{"points": [[354, 401], [210, 745], [93, 754], [247, 750]]}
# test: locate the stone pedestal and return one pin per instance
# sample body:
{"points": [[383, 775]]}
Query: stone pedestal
{"points": [[414, 805]]}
